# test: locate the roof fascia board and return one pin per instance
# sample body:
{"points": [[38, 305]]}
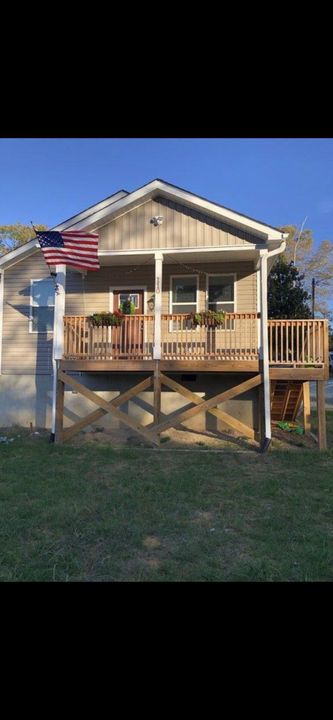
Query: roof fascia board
{"points": [[184, 250], [16, 255], [148, 191], [86, 214]]}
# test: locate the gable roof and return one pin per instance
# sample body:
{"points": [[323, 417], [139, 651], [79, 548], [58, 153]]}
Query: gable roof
{"points": [[122, 202], [83, 217]]}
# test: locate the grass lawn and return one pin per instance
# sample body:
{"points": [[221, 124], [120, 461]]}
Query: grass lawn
{"points": [[96, 514]]}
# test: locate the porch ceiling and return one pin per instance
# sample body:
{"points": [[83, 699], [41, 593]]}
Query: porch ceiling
{"points": [[214, 256]]}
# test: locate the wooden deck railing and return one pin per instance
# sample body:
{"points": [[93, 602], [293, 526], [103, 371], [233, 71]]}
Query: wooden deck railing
{"points": [[236, 338], [298, 343], [133, 339]]}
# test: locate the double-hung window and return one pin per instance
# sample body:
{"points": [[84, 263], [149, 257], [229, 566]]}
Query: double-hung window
{"points": [[184, 295], [42, 305], [221, 294]]}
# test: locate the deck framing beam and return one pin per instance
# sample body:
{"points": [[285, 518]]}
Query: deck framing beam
{"points": [[108, 407]]}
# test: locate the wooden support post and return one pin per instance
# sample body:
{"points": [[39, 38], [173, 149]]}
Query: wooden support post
{"points": [[261, 413], [59, 419], [322, 441], [157, 393], [306, 408]]}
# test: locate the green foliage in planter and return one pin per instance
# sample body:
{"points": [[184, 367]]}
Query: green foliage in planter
{"points": [[106, 319], [127, 307], [203, 317]]}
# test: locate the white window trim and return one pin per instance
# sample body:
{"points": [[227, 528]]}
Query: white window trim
{"points": [[39, 332], [234, 275], [172, 277], [123, 287]]}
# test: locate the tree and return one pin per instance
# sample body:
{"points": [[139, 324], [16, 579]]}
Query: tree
{"points": [[312, 263], [287, 297], [12, 236]]}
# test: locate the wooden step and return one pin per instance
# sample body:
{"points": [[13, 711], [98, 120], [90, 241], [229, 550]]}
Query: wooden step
{"points": [[286, 396]]}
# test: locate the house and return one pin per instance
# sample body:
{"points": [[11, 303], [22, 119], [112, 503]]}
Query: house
{"points": [[172, 253]]}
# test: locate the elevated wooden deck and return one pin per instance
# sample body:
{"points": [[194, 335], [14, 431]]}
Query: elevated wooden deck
{"points": [[298, 349], [298, 352]]}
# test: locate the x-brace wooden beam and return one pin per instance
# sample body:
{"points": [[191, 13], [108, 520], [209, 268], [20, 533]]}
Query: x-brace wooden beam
{"points": [[106, 407], [220, 414], [204, 405]]}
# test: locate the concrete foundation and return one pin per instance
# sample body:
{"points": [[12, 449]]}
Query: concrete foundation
{"points": [[28, 398]]}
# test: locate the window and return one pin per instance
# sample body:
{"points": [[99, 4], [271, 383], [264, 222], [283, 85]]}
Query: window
{"points": [[129, 296], [42, 305], [221, 294], [184, 295]]}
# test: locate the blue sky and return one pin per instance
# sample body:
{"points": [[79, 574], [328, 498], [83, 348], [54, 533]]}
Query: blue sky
{"points": [[275, 180]]}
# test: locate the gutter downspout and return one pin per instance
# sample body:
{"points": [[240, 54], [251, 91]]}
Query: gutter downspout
{"points": [[264, 255]]}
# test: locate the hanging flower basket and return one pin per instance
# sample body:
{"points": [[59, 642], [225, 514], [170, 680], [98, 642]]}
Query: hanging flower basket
{"points": [[106, 319], [207, 317]]}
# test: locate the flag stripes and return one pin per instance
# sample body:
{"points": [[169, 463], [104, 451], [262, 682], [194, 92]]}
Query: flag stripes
{"points": [[71, 247]]}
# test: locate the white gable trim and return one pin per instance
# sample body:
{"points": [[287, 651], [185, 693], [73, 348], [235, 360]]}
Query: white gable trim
{"points": [[102, 213], [158, 186], [183, 250], [83, 217], [86, 214]]}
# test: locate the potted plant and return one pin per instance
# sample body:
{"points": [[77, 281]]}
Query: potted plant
{"points": [[206, 317], [127, 307], [106, 319]]}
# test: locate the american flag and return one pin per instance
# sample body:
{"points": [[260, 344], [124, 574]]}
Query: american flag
{"points": [[70, 247]]}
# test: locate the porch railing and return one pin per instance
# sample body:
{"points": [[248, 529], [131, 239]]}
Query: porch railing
{"points": [[298, 343], [236, 338], [133, 339]]}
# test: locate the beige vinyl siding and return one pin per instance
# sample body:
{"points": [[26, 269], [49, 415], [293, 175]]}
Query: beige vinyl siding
{"points": [[181, 227], [24, 353], [246, 283], [92, 294]]}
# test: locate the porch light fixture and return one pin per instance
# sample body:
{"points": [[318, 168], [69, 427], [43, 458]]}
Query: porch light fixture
{"points": [[157, 220]]}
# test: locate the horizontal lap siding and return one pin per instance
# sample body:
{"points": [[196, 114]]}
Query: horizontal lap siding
{"points": [[23, 353], [181, 227], [92, 294], [246, 283]]}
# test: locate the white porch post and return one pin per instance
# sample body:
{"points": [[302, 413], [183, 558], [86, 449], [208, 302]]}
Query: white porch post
{"points": [[58, 331], [264, 344], [158, 304]]}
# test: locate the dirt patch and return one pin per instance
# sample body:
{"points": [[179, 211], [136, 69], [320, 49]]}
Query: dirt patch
{"points": [[186, 439], [151, 541], [172, 439]]}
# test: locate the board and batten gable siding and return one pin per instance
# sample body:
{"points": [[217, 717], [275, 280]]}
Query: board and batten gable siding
{"points": [[181, 227], [24, 353]]}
